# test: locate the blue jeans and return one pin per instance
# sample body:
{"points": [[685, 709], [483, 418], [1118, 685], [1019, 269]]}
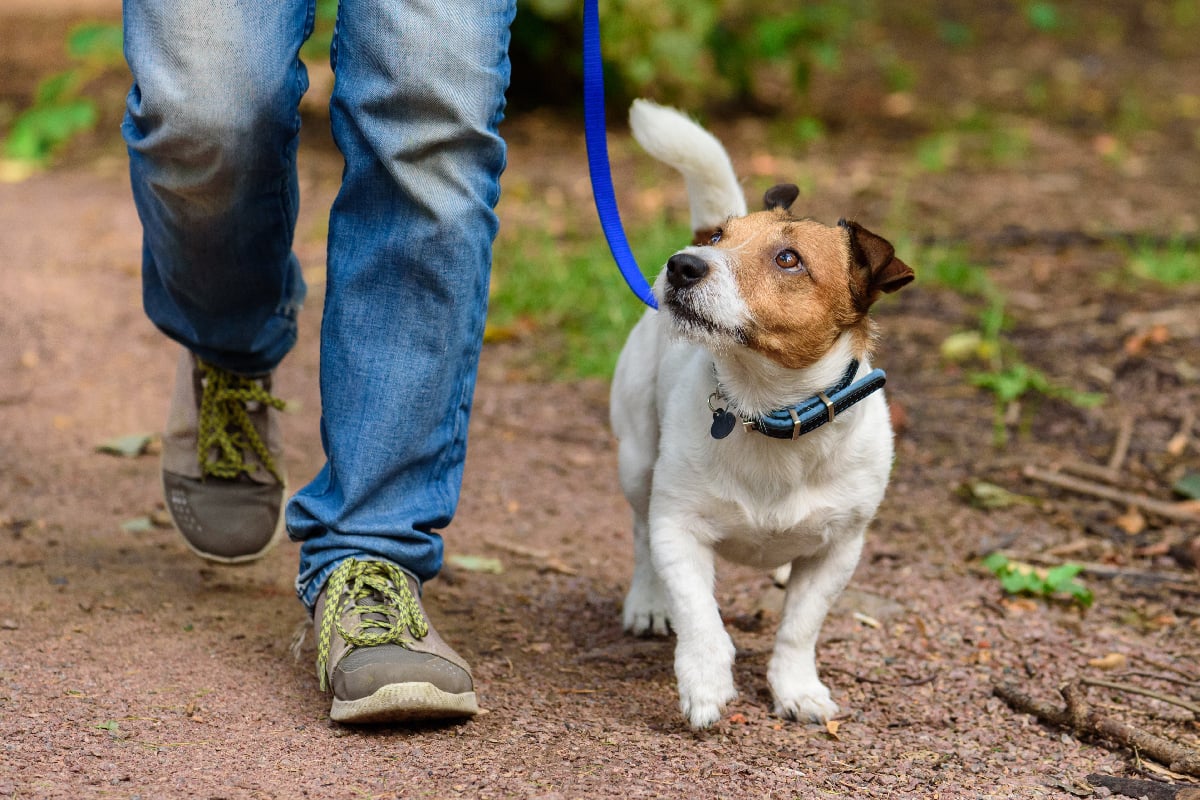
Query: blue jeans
{"points": [[212, 128]]}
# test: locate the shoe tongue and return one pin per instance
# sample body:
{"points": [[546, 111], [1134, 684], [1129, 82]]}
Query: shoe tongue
{"points": [[373, 599]]}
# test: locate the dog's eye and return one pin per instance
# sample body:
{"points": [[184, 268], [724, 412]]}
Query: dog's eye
{"points": [[716, 237], [789, 261]]}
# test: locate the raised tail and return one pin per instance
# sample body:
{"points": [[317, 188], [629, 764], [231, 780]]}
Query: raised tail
{"points": [[672, 137]]}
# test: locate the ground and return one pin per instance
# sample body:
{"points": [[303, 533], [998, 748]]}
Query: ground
{"points": [[130, 669]]}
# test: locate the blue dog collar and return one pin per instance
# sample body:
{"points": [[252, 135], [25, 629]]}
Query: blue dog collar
{"points": [[792, 422]]}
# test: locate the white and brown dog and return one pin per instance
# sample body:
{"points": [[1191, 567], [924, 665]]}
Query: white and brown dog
{"points": [[749, 421]]}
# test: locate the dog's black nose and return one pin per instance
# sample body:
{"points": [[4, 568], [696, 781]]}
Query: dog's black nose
{"points": [[684, 269]]}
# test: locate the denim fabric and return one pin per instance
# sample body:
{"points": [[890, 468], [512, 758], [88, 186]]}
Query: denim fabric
{"points": [[212, 131]]}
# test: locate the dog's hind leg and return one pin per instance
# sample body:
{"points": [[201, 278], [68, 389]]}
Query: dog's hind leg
{"points": [[813, 586], [646, 610]]}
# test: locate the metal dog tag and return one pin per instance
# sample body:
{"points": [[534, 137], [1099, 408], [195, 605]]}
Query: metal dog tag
{"points": [[723, 423]]}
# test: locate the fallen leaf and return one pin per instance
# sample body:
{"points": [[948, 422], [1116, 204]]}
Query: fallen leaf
{"points": [[1109, 662], [870, 622], [1132, 522], [831, 727], [476, 563], [738, 718], [138, 525], [989, 496], [1188, 486], [962, 346], [1137, 343], [130, 445]]}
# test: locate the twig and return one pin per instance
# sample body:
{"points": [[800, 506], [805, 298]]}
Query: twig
{"points": [[1079, 717], [1094, 471], [1131, 689], [1121, 447], [1167, 667], [902, 684], [1191, 683], [1152, 790], [1162, 508]]}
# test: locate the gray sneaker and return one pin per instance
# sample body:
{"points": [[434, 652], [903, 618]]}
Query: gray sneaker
{"points": [[378, 653], [222, 462]]}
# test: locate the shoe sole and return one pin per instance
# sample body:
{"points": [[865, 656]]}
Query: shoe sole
{"points": [[399, 702], [232, 561]]}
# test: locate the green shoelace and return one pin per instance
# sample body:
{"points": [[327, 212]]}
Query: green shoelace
{"points": [[391, 616], [226, 431]]}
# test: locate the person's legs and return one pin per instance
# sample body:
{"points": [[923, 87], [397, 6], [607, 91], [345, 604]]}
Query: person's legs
{"points": [[211, 127], [418, 96]]}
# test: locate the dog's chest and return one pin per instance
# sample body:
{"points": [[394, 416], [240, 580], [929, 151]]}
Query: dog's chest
{"points": [[764, 520]]}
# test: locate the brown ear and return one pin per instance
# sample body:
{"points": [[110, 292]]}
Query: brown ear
{"points": [[781, 196], [879, 269]]}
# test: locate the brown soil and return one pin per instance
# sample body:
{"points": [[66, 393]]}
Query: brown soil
{"points": [[130, 669]]}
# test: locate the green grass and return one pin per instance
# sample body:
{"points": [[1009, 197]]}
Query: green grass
{"points": [[1174, 264], [948, 266], [569, 294]]}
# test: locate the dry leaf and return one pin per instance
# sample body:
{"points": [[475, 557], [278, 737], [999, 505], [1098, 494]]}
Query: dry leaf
{"points": [[866, 620], [1109, 662], [129, 446], [1132, 522], [831, 727], [476, 563]]}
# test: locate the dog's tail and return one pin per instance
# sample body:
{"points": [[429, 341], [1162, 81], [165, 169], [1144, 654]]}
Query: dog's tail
{"points": [[714, 193]]}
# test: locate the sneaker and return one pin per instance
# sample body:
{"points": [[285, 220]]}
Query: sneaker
{"points": [[378, 653], [222, 461]]}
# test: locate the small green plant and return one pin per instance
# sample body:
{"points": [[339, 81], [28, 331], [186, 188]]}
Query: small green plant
{"points": [[60, 110], [1007, 377], [1025, 579], [1174, 264]]}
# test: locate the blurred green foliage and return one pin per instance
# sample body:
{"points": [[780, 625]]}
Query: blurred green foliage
{"points": [[61, 109], [695, 53]]}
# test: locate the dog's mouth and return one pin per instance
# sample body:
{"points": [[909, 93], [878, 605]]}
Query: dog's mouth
{"points": [[692, 324]]}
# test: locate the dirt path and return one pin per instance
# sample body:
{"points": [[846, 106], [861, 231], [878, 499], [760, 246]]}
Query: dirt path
{"points": [[130, 669]]}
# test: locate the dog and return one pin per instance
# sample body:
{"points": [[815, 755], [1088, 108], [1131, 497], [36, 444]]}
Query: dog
{"points": [[749, 421]]}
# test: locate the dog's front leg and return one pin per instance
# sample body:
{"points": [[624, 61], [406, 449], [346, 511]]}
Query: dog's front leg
{"points": [[815, 582], [703, 650]]}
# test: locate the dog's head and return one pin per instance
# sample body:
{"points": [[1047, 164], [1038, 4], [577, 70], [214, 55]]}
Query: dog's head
{"points": [[780, 285]]}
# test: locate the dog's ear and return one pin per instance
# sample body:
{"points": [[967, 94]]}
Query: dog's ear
{"points": [[781, 196], [878, 268]]}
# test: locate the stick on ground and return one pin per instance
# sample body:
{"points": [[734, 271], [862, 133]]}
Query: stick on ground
{"points": [[1080, 718]]}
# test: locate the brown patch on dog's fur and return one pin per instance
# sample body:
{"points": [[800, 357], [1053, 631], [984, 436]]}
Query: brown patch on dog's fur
{"points": [[799, 315]]}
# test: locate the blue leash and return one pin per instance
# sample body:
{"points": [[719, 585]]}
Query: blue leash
{"points": [[595, 132]]}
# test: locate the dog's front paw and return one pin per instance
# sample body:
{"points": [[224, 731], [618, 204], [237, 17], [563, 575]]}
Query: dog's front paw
{"points": [[705, 682], [811, 704], [703, 714], [645, 609]]}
